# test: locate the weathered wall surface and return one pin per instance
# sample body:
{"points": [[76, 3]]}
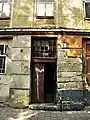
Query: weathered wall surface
{"points": [[71, 13], [22, 13], [20, 70], [4, 23], [5, 79], [67, 13], [16, 82], [69, 66]]}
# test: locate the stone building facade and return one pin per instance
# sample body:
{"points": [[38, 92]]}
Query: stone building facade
{"points": [[46, 47]]}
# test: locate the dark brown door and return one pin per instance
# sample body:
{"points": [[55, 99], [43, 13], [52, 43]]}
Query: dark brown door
{"points": [[86, 64], [38, 83]]}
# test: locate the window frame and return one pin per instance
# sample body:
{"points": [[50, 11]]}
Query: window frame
{"points": [[44, 16], [43, 47], [86, 17], [3, 56], [2, 10]]}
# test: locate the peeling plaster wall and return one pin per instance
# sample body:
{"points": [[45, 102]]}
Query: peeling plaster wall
{"points": [[69, 67], [67, 13], [22, 14], [4, 23], [16, 82], [71, 13], [5, 79], [20, 70]]}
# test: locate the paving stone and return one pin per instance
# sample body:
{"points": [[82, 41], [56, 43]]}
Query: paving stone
{"points": [[54, 118], [53, 115], [33, 118], [41, 116], [8, 113], [47, 118], [60, 117], [47, 114]]}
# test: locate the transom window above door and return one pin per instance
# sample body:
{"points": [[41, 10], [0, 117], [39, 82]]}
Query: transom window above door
{"points": [[44, 8], [4, 9], [43, 47]]}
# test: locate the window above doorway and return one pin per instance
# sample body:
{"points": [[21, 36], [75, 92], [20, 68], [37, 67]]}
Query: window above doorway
{"points": [[45, 8], [4, 9], [43, 47], [87, 9]]}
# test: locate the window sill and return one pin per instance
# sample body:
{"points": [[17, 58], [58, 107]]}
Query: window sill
{"points": [[4, 18], [45, 17], [2, 73], [86, 18]]}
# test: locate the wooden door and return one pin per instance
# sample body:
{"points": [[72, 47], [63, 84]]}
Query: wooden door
{"points": [[86, 65], [38, 83]]}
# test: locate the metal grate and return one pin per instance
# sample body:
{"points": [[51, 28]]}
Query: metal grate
{"points": [[2, 58], [44, 49]]}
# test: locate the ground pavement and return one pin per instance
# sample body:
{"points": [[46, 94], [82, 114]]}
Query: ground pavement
{"points": [[8, 113]]}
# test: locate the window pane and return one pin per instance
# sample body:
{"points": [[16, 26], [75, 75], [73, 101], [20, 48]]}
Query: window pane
{"points": [[6, 9], [2, 64], [87, 9], [40, 9], [49, 9], [0, 6], [1, 49], [87, 0]]}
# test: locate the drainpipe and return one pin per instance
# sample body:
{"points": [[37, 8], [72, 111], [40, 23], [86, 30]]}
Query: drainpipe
{"points": [[11, 12], [60, 102], [57, 13]]}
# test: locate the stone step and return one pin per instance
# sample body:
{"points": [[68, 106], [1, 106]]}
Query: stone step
{"points": [[72, 105], [65, 105], [43, 107]]}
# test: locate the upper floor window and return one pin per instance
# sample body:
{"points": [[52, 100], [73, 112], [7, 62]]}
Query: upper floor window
{"points": [[87, 9], [4, 9], [44, 8]]}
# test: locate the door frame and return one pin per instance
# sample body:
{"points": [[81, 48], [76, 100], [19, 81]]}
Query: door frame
{"points": [[42, 61], [84, 62]]}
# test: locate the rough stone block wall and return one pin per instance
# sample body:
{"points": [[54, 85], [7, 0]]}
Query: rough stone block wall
{"points": [[20, 70], [15, 83], [69, 66]]}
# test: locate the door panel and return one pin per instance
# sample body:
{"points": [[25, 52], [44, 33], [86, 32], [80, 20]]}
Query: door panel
{"points": [[38, 83], [49, 82], [86, 64]]}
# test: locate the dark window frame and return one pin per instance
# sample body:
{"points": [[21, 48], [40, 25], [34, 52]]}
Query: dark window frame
{"points": [[87, 15]]}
